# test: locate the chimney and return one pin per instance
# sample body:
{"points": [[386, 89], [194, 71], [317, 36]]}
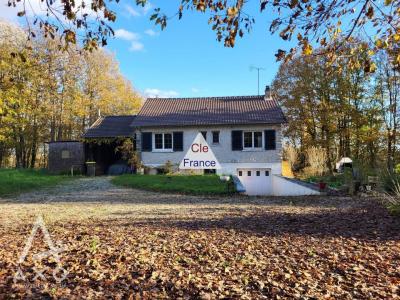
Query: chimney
{"points": [[268, 95]]}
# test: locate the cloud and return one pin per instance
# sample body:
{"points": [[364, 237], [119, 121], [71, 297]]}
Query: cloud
{"points": [[33, 7], [136, 46], [147, 8], [131, 11], [126, 35], [139, 11], [132, 37], [151, 32], [195, 90], [154, 93]]}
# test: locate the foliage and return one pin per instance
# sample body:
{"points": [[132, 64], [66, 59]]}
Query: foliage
{"points": [[168, 167], [334, 181], [391, 183], [316, 158], [291, 155], [321, 22], [129, 154], [137, 244], [18, 181], [53, 95], [344, 112], [192, 184]]}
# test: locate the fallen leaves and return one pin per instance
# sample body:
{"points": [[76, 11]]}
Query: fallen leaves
{"points": [[268, 249]]}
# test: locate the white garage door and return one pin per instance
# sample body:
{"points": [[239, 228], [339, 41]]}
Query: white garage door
{"points": [[256, 181]]}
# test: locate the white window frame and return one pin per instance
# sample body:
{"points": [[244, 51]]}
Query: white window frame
{"points": [[252, 148], [163, 142]]}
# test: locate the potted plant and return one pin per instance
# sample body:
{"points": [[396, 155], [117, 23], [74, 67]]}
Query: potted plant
{"points": [[322, 185]]}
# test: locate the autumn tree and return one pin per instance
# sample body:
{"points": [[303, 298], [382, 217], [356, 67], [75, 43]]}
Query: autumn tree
{"points": [[331, 108], [387, 93], [47, 94]]}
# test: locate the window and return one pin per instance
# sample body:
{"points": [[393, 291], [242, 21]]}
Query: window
{"points": [[158, 140], [215, 137], [167, 140], [257, 139], [248, 173], [257, 173], [210, 171], [240, 173], [65, 154], [248, 140], [252, 139], [204, 133], [163, 141], [266, 173]]}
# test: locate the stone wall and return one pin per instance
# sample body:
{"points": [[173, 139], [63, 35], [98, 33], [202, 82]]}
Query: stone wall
{"points": [[64, 155]]}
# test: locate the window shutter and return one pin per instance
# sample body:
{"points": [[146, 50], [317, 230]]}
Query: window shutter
{"points": [[270, 139], [147, 142], [237, 140], [178, 141]]}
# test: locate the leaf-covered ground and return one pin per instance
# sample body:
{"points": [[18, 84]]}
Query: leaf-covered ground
{"points": [[126, 244]]}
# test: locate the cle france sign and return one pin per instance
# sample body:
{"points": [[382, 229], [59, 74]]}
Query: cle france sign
{"points": [[199, 156]]}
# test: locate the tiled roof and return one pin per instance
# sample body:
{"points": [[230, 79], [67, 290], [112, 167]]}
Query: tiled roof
{"points": [[209, 111], [110, 126]]}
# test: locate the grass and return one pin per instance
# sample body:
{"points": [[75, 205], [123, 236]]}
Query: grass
{"points": [[333, 181], [192, 184], [17, 181]]}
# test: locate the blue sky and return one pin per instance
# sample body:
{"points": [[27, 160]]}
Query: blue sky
{"points": [[185, 60]]}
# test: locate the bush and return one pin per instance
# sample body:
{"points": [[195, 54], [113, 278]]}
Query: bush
{"points": [[291, 155], [391, 185], [316, 157]]}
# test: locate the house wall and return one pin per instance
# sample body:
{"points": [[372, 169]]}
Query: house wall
{"points": [[284, 187], [229, 160], [60, 162]]}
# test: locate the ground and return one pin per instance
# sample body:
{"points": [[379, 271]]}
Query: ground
{"points": [[126, 244]]}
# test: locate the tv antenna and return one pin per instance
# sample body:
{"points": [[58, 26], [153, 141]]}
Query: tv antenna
{"points": [[252, 68]]}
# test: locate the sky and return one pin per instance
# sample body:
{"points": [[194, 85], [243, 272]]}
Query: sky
{"points": [[186, 60]]}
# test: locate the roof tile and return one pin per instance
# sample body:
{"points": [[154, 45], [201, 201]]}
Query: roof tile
{"points": [[209, 111], [110, 127]]}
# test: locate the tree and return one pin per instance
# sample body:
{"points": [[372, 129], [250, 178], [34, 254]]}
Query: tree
{"points": [[320, 22], [47, 94], [333, 110], [387, 92]]}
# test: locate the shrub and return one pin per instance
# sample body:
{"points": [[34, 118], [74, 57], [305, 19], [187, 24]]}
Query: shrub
{"points": [[390, 183], [291, 155], [168, 167], [316, 157]]}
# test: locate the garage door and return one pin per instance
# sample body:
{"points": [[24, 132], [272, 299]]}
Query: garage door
{"points": [[256, 181]]}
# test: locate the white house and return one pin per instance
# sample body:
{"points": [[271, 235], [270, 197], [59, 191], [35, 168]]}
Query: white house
{"points": [[243, 132]]}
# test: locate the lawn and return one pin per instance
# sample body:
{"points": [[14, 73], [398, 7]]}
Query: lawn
{"points": [[17, 181], [192, 184], [333, 181]]}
